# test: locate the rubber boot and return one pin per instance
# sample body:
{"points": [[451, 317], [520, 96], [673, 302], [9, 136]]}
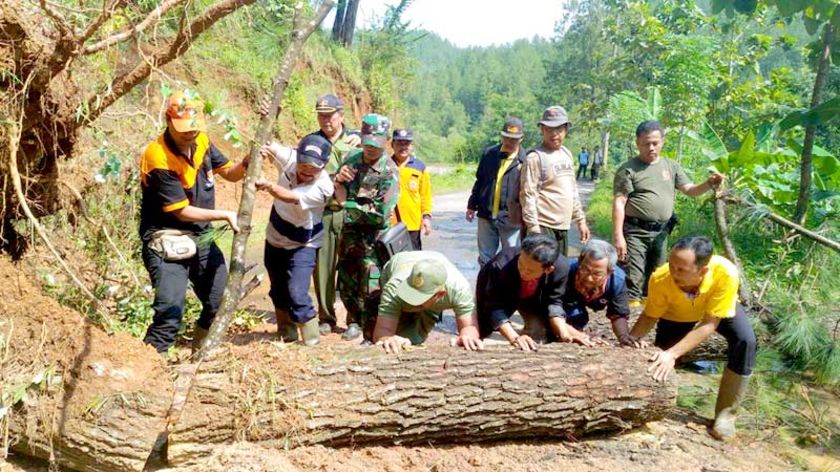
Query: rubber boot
{"points": [[353, 331], [199, 334], [286, 330], [732, 390], [310, 332]]}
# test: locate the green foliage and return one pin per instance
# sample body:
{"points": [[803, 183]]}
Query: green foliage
{"points": [[459, 178]]}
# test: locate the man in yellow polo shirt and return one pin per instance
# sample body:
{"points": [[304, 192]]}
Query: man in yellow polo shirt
{"points": [[414, 206], [696, 286]]}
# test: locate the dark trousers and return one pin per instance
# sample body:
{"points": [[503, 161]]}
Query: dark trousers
{"points": [[593, 173], [646, 250], [415, 240], [208, 274], [289, 271], [581, 170], [559, 235], [738, 333]]}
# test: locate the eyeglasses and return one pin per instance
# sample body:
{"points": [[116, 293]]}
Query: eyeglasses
{"points": [[586, 271]]}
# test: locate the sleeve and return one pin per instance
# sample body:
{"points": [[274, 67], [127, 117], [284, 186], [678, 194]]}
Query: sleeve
{"points": [[283, 155], [529, 182], [463, 300], [166, 190], [557, 288], [618, 306], [426, 193], [495, 294], [390, 305], [680, 177], [657, 301], [217, 159], [577, 207], [315, 195], [374, 205], [724, 298], [472, 203], [389, 195], [623, 182]]}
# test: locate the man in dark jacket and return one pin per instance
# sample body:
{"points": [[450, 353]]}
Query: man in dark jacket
{"points": [[550, 294], [495, 193]]}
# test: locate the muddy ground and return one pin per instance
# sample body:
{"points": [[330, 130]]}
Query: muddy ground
{"points": [[680, 442]]}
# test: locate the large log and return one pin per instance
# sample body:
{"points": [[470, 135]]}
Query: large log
{"points": [[340, 396], [92, 402], [712, 349]]}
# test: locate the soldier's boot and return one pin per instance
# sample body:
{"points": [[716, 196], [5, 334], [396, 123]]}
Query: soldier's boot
{"points": [[309, 332], [353, 331], [199, 334], [731, 393], [286, 330]]}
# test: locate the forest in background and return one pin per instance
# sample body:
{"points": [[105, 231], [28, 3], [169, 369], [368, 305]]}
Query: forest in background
{"points": [[734, 82]]}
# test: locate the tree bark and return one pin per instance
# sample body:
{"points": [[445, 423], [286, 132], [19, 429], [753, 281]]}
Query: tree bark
{"points": [[338, 22], [805, 167], [712, 349], [432, 394], [349, 28], [729, 249], [605, 145]]}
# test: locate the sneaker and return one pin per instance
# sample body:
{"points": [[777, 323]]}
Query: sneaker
{"points": [[353, 331]]}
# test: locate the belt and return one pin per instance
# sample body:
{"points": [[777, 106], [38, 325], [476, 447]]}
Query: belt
{"points": [[645, 224]]}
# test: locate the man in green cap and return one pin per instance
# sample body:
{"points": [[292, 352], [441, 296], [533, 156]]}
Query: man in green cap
{"points": [[416, 287], [367, 187]]}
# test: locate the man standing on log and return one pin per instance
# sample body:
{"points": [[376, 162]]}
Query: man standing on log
{"points": [[416, 287], [330, 111], [177, 177], [550, 294], [548, 191], [367, 186], [495, 193], [644, 189], [414, 206], [694, 295], [295, 232]]}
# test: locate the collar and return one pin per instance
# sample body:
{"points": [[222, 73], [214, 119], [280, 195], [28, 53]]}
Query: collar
{"points": [[169, 142], [407, 161], [337, 137]]}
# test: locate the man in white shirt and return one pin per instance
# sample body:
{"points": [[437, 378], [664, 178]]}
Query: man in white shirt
{"points": [[295, 232]]}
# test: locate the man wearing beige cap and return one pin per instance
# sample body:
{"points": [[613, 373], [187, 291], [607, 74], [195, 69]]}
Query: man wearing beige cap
{"points": [[548, 191], [177, 177], [416, 287]]}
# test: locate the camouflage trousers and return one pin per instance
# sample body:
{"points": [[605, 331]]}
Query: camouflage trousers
{"points": [[358, 278]]}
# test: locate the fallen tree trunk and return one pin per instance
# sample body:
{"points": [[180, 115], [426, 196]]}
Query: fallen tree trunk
{"points": [[712, 349], [434, 394]]}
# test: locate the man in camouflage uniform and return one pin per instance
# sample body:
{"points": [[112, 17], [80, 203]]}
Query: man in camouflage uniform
{"points": [[367, 186]]}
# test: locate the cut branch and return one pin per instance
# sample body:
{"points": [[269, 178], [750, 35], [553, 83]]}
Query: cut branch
{"points": [[729, 249], [733, 199], [233, 290], [125, 82], [117, 38]]}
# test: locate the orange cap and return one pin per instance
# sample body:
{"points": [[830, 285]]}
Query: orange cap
{"points": [[186, 114]]}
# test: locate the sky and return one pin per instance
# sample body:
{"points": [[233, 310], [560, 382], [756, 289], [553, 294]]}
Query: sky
{"points": [[472, 22]]}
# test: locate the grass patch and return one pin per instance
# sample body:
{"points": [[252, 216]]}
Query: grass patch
{"points": [[458, 179]]}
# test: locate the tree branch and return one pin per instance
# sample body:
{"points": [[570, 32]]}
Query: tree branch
{"points": [[107, 10], [132, 31], [63, 27], [125, 82], [233, 290], [733, 199]]}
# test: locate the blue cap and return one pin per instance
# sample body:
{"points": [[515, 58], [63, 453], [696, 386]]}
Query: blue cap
{"points": [[315, 150]]}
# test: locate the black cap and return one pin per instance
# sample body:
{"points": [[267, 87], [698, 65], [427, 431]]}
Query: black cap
{"points": [[404, 134], [513, 128], [328, 104], [314, 149]]}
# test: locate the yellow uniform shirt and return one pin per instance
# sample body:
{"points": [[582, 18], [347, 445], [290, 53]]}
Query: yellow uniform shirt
{"points": [[415, 198], [717, 295], [497, 194]]}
